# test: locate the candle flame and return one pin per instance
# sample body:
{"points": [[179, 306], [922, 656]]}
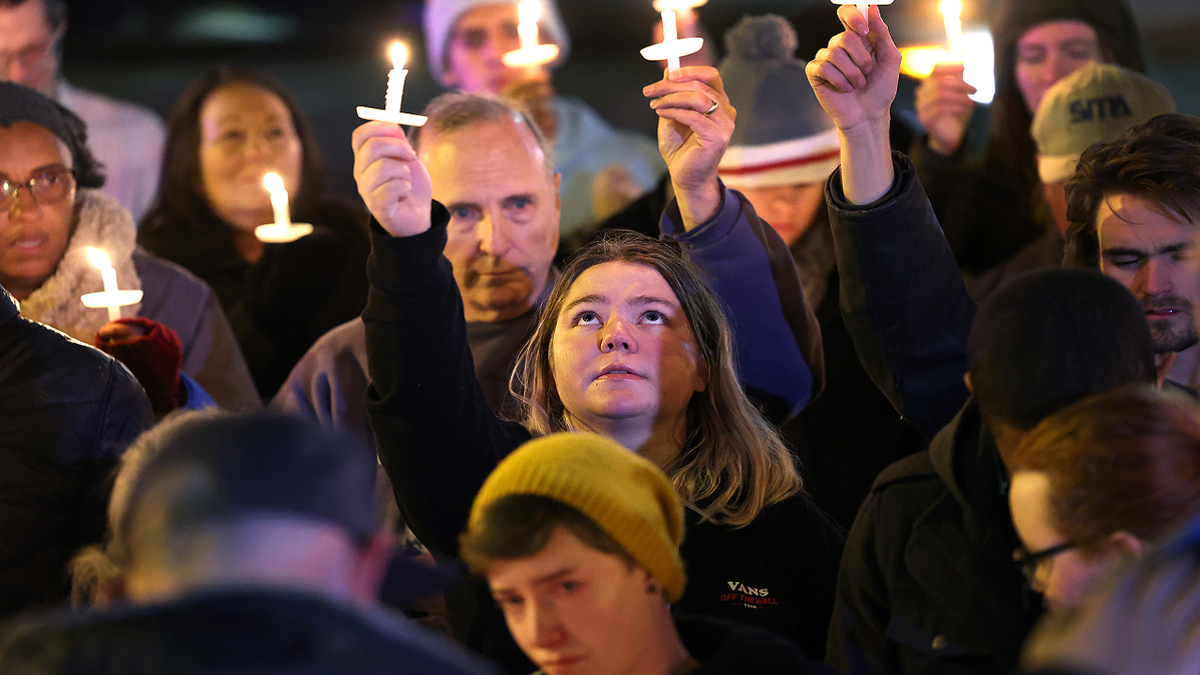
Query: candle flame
{"points": [[677, 5], [273, 183], [399, 54], [97, 258], [528, 12], [951, 9]]}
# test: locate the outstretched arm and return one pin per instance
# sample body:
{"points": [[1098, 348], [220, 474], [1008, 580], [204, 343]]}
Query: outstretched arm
{"points": [[437, 438], [903, 299], [778, 339]]}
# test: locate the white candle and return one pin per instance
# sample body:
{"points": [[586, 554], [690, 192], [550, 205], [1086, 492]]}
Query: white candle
{"points": [[862, 6], [528, 13], [279, 200], [395, 88], [671, 47], [951, 12], [670, 37], [109, 277]]}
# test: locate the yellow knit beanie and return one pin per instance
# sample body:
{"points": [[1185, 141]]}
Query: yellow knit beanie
{"points": [[623, 493]]}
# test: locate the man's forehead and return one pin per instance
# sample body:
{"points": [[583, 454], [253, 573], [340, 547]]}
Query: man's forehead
{"points": [[507, 144], [483, 17], [23, 25], [1130, 221]]}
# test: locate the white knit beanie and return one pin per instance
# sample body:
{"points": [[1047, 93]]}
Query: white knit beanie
{"points": [[441, 15]]}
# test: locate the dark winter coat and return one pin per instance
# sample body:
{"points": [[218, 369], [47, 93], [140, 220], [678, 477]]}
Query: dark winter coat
{"points": [[67, 412]]}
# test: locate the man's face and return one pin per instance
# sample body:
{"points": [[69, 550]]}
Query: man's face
{"points": [[574, 609], [33, 233], [1152, 252], [504, 208], [29, 46], [480, 37]]}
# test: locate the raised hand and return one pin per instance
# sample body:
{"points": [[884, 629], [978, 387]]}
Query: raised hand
{"points": [[855, 77], [944, 107], [391, 180], [695, 123], [855, 80]]}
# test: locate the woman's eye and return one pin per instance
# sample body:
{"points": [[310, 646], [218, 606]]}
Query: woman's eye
{"points": [[274, 134], [654, 317], [587, 319]]}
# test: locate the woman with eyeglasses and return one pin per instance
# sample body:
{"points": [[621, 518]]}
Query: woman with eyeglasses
{"points": [[1096, 482], [226, 131], [51, 212]]}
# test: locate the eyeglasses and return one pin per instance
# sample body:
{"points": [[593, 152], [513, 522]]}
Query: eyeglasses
{"points": [[1036, 565], [45, 187], [34, 56]]}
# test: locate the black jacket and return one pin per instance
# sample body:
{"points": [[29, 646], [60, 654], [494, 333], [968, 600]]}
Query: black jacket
{"points": [[244, 631], [67, 412], [927, 583], [724, 648], [291, 296]]}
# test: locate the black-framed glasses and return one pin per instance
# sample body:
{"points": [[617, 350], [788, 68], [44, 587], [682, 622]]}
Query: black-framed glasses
{"points": [[45, 187], [1035, 564]]}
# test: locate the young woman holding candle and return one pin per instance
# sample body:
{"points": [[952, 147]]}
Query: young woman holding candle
{"points": [[632, 344], [992, 207], [225, 133], [51, 213]]}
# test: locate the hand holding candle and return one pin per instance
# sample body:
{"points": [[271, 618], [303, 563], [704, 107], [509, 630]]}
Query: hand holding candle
{"points": [[283, 229], [393, 97], [111, 297], [531, 54], [671, 48]]}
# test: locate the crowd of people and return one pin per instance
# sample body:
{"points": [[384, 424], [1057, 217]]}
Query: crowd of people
{"points": [[791, 391]]}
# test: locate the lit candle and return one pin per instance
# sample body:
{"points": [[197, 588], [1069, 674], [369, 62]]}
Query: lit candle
{"points": [[283, 229], [671, 48], [862, 6], [531, 54], [951, 11], [528, 13], [279, 199], [112, 297], [395, 93], [677, 5], [395, 88]]}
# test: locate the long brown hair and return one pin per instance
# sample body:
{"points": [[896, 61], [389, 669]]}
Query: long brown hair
{"points": [[733, 462]]}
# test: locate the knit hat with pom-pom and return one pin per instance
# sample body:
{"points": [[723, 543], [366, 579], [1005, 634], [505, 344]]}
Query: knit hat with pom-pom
{"points": [[783, 136]]}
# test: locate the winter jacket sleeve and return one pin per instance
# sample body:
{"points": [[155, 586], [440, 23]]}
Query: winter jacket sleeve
{"points": [[903, 299], [778, 341], [437, 438]]}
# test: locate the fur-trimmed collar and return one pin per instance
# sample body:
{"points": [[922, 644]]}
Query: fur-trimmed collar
{"points": [[107, 225]]}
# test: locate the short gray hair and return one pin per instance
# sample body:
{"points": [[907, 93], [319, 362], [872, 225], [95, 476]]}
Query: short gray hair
{"points": [[455, 111]]}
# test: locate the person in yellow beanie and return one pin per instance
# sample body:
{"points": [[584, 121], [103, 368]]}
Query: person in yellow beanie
{"points": [[579, 541]]}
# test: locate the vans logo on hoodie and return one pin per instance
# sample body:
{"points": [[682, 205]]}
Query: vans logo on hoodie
{"points": [[747, 596]]}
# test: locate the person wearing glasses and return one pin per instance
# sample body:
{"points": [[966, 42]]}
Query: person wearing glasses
{"points": [[1097, 481], [51, 212], [126, 138]]}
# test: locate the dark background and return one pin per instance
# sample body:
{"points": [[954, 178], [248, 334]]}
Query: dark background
{"points": [[332, 53]]}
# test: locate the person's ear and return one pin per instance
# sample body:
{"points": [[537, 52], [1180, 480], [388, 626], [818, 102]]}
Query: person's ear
{"points": [[967, 381], [1165, 363], [1126, 544], [371, 564]]}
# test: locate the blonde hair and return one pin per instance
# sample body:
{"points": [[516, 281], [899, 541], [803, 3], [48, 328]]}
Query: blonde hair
{"points": [[733, 463]]}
